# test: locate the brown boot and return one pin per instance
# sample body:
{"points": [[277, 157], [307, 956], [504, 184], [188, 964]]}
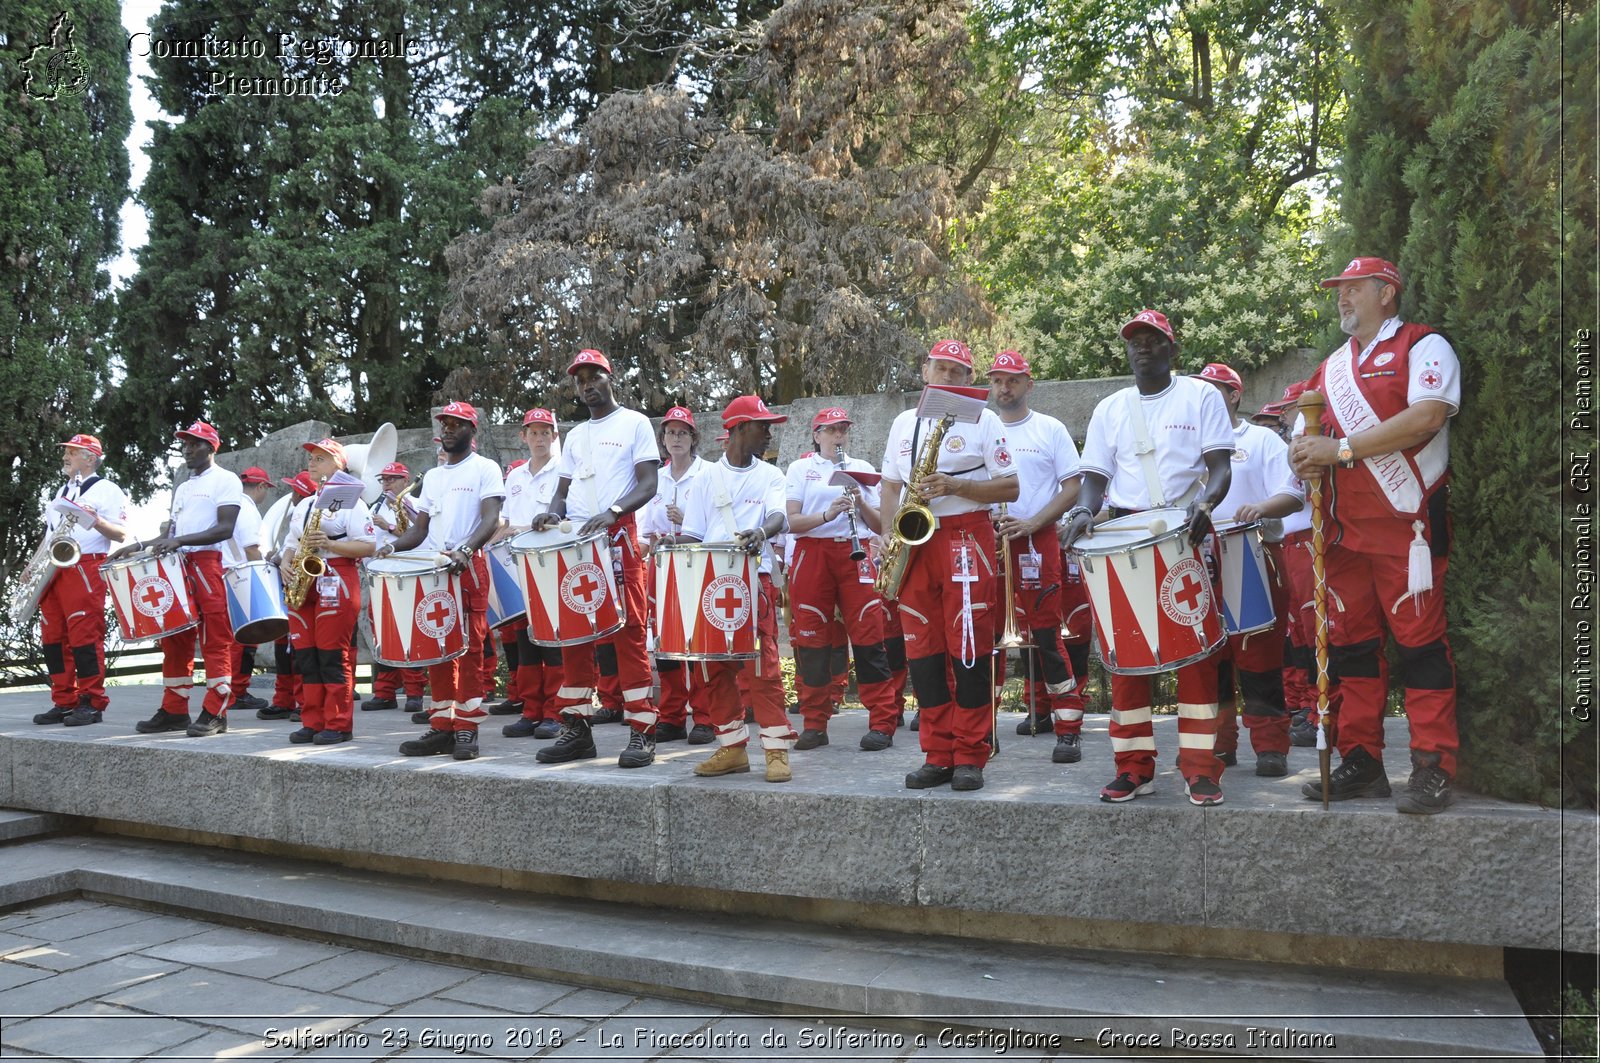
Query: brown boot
{"points": [[778, 765], [728, 760]]}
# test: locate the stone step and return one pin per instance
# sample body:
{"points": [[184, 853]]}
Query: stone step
{"points": [[1036, 1000], [19, 825]]}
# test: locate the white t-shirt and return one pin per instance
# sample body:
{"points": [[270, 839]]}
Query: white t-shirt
{"points": [[195, 503], [1260, 470], [970, 451], [1187, 420], [670, 490], [754, 493], [528, 494], [807, 484], [352, 525], [107, 500], [599, 458], [246, 533], [451, 496], [1044, 454]]}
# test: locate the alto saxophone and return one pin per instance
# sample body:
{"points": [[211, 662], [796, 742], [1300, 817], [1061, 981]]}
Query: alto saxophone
{"points": [[308, 565], [402, 519], [914, 523]]}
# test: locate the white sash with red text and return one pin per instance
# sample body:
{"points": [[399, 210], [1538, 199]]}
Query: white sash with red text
{"points": [[1395, 475]]}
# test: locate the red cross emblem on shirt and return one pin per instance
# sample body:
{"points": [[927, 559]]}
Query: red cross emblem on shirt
{"points": [[1430, 380]]}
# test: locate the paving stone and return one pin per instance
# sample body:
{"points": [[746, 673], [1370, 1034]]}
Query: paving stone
{"points": [[349, 966], [647, 1028], [763, 1037], [10, 943], [148, 931], [245, 952], [591, 1003], [521, 996], [229, 1045], [405, 982], [96, 981], [82, 922], [248, 1005], [19, 921], [15, 974], [445, 1026], [91, 1031]]}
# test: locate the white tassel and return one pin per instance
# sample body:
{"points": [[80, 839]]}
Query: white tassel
{"points": [[1419, 569]]}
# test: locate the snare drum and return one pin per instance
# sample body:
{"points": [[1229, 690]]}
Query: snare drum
{"points": [[150, 596], [1149, 593], [417, 618], [1246, 580], [706, 602], [569, 587], [255, 603], [506, 603]]}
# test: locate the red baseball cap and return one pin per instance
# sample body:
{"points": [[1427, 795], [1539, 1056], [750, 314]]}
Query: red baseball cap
{"points": [[538, 415], [255, 474], [394, 468], [589, 357], [749, 408], [514, 466], [1358, 268], [201, 431], [1291, 395], [952, 351], [1011, 362], [1149, 319], [301, 483], [461, 411], [1218, 373], [680, 414], [85, 442], [830, 415], [331, 447]]}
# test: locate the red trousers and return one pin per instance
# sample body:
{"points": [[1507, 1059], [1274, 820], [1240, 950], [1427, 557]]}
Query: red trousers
{"points": [[320, 631], [202, 571], [1250, 670], [72, 629], [580, 674], [894, 646], [456, 686], [387, 682], [1133, 739], [1299, 666], [715, 685], [822, 579], [1037, 603]]}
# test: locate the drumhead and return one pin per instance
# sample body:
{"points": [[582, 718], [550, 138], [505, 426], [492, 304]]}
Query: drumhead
{"points": [[143, 557], [1119, 533], [553, 539], [415, 564]]}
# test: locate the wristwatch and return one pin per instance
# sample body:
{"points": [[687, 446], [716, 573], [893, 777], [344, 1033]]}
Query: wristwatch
{"points": [[1347, 457], [616, 512]]}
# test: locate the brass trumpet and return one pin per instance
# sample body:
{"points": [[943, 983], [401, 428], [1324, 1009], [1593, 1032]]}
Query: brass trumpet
{"points": [[1010, 637]]}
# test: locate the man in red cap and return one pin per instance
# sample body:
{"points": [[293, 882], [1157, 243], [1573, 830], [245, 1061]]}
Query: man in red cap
{"points": [[1164, 442], [536, 670], [1263, 489], [458, 511], [72, 611], [1391, 392], [386, 520], [827, 523], [949, 581], [204, 509], [740, 499], [1046, 459], [607, 471], [243, 547]]}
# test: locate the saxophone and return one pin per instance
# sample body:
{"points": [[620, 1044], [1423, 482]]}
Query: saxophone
{"points": [[914, 523], [402, 519], [307, 565]]}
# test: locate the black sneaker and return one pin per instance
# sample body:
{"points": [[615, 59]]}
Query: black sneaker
{"points": [[328, 737], [872, 741], [641, 751], [414, 703], [163, 721], [811, 738], [1428, 792], [575, 742], [523, 728], [379, 704], [57, 714], [1230, 758], [1125, 788], [1360, 775], [967, 777], [466, 745], [81, 716], [434, 743], [1038, 723], [794, 708], [702, 734], [929, 776], [1069, 749], [1204, 791], [294, 715], [606, 716], [505, 708], [548, 729], [916, 720], [421, 717], [1302, 732], [670, 732], [302, 737], [249, 703], [1270, 765], [208, 724], [275, 712]]}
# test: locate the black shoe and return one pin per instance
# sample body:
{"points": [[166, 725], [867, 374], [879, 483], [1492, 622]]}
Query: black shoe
{"points": [[794, 708], [899, 719], [80, 716], [379, 704], [548, 729], [294, 715], [275, 712], [57, 714], [1302, 732], [249, 703], [523, 728], [641, 751], [302, 737], [466, 745], [670, 732], [163, 721], [1360, 775], [606, 716], [967, 777], [1270, 765], [208, 724], [421, 717], [929, 775], [872, 741], [506, 708], [702, 734], [1125, 788], [916, 720], [1038, 723], [811, 738], [414, 703], [1428, 792], [326, 737], [1068, 750], [1230, 758], [434, 743], [576, 742], [749, 715]]}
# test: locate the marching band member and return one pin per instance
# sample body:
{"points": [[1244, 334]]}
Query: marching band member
{"points": [[663, 516], [204, 508], [949, 580], [1163, 434], [607, 471], [322, 627], [741, 498], [245, 545], [386, 681], [537, 669], [1299, 652], [826, 524], [1263, 487], [457, 512], [72, 611], [1048, 478], [288, 689]]}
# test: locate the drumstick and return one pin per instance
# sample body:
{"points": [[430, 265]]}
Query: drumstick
{"points": [[1154, 527]]}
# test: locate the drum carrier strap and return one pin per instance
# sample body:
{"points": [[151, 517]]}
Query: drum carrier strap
{"points": [[1145, 448]]}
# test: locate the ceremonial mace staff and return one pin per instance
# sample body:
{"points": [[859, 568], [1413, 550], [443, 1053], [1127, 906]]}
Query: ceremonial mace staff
{"points": [[1310, 407]]}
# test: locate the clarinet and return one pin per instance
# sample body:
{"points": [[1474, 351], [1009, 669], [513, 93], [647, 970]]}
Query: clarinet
{"points": [[857, 551]]}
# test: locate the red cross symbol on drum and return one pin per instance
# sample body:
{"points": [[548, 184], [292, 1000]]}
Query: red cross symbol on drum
{"points": [[1185, 596], [583, 588], [726, 603]]}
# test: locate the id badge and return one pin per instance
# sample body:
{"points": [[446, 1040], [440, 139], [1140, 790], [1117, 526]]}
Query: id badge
{"points": [[963, 562], [864, 573], [329, 586], [1028, 567], [1074, 573], [616, 563]]}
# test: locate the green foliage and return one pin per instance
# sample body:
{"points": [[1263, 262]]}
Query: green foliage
{"points": [[1578, 1036], [63, 179], [1456, 147]]}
